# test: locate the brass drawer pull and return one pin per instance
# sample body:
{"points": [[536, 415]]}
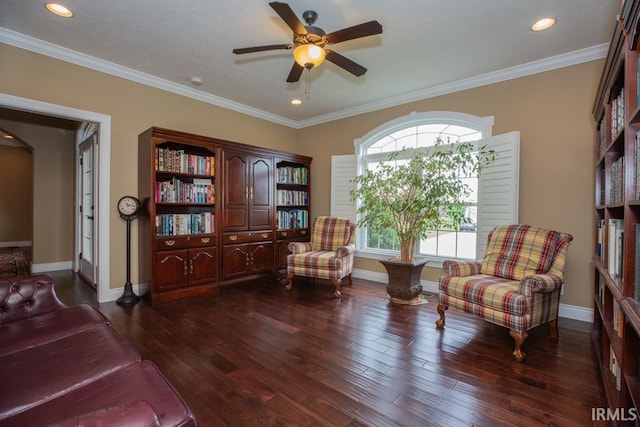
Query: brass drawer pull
{"points": [[205, 239], [265, 235], [284, 234], [233, 238], [169, 242], [303, 232]]}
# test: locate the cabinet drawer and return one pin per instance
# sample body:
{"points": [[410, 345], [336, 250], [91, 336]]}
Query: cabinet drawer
{"points": [[291, 234], [247, 237], [180, 242]]}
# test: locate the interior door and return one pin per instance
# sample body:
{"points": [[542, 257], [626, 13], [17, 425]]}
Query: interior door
{"points": [[87, 230]]}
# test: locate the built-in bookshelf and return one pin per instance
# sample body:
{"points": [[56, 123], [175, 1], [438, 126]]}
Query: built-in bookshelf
{"points": [[616, 289], [292, 196]]}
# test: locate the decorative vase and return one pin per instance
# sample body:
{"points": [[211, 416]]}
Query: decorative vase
{"points": [[404, 281]]}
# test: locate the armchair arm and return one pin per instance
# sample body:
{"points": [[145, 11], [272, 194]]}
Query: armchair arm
{"points": [[299, 247], [26, 296], [344, 251], [541, 283], [461, 268]]}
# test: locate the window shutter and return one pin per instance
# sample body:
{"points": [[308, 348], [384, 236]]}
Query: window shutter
{"points": [[343, 170], [498, 187]]}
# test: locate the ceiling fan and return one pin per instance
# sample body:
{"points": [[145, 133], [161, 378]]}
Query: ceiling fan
{"points": [[309, 42]]}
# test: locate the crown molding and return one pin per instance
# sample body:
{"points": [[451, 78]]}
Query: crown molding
{"points": [[560, 61], [58, 52]]}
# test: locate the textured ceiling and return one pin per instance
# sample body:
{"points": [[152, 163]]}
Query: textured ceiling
{"points": [[427, 47]]}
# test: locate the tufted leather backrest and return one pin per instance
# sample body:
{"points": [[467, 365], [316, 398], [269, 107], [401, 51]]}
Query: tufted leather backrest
{"points": [[25, 296]]}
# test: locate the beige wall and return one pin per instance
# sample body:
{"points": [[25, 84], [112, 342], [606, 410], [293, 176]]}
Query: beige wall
{"points": [[16, 193], [53, 190], [552, 111]]}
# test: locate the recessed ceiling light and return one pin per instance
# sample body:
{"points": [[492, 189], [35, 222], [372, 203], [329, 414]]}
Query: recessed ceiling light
{"points": [[543, 24], [58, 9], [196, 81], [296, 101]]}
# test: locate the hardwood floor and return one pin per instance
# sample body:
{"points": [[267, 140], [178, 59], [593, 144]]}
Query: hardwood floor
{"points": [[260, 356]]}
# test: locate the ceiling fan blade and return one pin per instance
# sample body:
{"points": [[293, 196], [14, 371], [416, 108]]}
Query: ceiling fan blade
{"points": [[262, 48], [341, 61], [362, 30], [295, 73], [288, 16]]}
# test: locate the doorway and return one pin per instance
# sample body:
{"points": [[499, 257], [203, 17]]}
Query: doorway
{"points": [[101, 186], [87, 179]]}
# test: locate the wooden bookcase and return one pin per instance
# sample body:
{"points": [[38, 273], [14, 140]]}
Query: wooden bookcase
{"points": [[209, 217], [616, 326]]}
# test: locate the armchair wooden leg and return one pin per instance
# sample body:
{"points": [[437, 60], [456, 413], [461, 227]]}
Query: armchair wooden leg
{"points": [[519, 337], [553, 329], [336, 287], [441, 309], [289, 278]]}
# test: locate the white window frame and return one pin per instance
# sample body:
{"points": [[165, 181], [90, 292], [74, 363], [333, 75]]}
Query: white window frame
{"points": [[482, 124]]}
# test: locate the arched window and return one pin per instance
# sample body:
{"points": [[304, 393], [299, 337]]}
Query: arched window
{"points": [[420, 130]]}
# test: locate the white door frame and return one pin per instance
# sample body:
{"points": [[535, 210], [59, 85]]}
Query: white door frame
{"points": [[104, 293]]}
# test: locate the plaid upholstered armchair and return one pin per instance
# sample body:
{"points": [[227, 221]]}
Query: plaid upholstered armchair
{"points": [[516, 285], [329, 254]]}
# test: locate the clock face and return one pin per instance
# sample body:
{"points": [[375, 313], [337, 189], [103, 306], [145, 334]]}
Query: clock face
{"points": [[128, 206]]}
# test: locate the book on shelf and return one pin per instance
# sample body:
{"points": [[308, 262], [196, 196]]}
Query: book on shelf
{"points": [[636, 264], [615, 247], [600, 246], [614, 367], [618, 319], [292, 175]]}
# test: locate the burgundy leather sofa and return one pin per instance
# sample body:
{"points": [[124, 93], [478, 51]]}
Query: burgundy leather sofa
{"points": [[66, 366]]}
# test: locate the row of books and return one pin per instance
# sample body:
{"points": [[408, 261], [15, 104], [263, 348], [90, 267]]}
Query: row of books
{"points": [[610, 249], [610, 245], [168, 160], [292, 218], [185, 224], [602, 136], [636, 158], [618, 319], [292, 175], [292, 197], [617, 114], [616, 191], [201, 190]]}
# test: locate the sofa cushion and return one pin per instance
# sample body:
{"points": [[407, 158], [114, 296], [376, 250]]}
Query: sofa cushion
{"points": [[516, 251], [488, 291], [131, 384], [37, 374], [329, 233], [42, 329]]}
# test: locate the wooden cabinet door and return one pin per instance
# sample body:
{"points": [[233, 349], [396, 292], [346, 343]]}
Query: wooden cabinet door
{"points": [[171, 270], [235, 192], [203, 265], [236, 261], [261, 194], [261, 257]]}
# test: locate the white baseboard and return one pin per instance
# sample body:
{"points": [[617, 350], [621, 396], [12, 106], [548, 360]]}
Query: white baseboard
{"points": [[566, 311], [51, 266], [15, 244]]}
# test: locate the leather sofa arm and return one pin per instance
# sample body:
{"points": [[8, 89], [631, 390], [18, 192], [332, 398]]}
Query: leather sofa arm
{"points": [[22, 297], [549, 282], [461, 268], [344, 251], [299, 247], [136, 414]]}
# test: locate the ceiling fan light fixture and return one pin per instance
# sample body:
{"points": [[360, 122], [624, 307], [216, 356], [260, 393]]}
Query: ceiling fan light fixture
{"points": [[309, 55]]}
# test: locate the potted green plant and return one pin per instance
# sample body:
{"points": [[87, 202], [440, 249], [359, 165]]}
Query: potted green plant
{"points": [[416, 191]]}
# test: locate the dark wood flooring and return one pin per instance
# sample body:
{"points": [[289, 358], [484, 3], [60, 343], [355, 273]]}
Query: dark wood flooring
{"points": [[260, 356]]}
